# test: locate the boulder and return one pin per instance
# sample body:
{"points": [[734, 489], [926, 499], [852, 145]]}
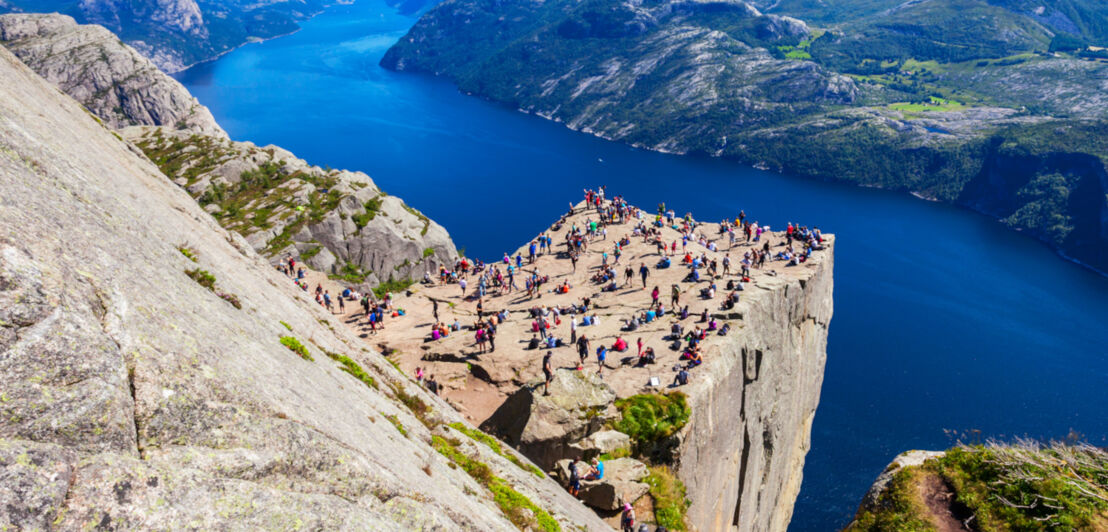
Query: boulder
{"points": [[544, 426], [601, 442], [621, 483]]}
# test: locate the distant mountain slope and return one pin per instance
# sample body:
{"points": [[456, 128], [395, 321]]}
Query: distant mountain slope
{"points": [[110, 79], [176, 34], [957, 100]]}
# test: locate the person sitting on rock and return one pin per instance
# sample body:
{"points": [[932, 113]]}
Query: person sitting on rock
{"points": [[596, 471], [647, 356], [620, 344], [534, 343], [725, 329], [682, 377]]}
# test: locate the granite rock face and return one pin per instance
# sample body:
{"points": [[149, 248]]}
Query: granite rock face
{"points": [[545, 427], [112, 80], [337, 221], [134, 397], [742, 452]]}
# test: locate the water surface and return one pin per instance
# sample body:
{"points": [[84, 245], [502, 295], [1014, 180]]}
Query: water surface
{"points": [[944, 321]]}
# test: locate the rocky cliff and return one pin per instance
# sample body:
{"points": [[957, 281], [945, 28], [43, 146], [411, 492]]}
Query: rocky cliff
{"points": [[742, 453], [336, 221], [281, 204], [112, 80], [155, 372], [176, 34], [738, 444]]}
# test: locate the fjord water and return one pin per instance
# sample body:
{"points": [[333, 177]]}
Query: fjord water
{"points": [[944, 321]]}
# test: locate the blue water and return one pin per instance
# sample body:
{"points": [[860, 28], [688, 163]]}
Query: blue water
{"points": [[944, 321]]}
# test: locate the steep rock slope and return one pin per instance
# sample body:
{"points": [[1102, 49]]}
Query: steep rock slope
{"points": [[135, 397], [337, 221], [281, 204], [110, 79]]}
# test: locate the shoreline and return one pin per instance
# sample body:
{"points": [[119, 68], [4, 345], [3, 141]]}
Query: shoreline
{"points": [[765, 168]]}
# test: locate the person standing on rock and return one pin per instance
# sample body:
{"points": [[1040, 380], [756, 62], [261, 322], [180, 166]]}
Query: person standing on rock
{"points": [[548, 372], [490, 333], [601, 356], [462, 283], [582, 349], [674, 296], [644, 272], [435, 309], [654, 297]]}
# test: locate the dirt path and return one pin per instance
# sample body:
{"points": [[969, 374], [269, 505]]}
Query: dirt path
{"points": [[942, 508]]}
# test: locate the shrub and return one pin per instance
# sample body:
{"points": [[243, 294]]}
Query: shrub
{"points": [[392, 286], [230, 298], [202, 277], [650, 417], [670, 502], [295, 346]]}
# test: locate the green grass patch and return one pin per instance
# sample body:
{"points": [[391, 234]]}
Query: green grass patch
{"points": [[650, 417], [188, 252], [348, 365], [295, 346], [936, 104], [202, 277], [393, 286], [310, 252], [350, 273], [1018, 487], [396, 423], [670, 500], [286, 325], [494, 444], [511, 502], [421, 410], [427, 252]]}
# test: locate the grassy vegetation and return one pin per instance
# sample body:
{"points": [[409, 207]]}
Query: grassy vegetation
{"points": [[295, 346], [202, 277], [419, 409], [1020, 487], [934, 104], [670, 500], [511, 502], [393, 286], [372, 207], [427, 252], [648, 418], [286, 325], [351, 273], [261, 196], [311, 252], [494, 444], [396, 423], [188, 252], [348, 365]]}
